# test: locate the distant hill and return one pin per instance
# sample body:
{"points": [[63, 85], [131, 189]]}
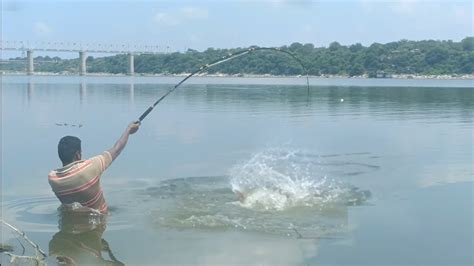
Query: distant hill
{"points": [[403, 57]]}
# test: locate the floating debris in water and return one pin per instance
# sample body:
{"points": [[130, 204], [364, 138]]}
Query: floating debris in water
{"points": [[5, 247], [68, 125], [39, 257]]}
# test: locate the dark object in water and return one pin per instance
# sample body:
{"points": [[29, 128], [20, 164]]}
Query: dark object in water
{"points": [[359, 197], [39, 257], [66, 124], [5, 248]]}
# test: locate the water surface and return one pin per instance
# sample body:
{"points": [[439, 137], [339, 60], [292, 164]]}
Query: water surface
{"points": [[370, 172]]}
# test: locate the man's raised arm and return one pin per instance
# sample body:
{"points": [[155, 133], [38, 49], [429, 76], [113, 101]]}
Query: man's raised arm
{"points": [[122, 141]]}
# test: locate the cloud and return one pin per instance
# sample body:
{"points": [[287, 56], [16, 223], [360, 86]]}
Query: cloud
{"points": [[284, 3], [182, 15], [399, 7], [166, 19], [41, 28], [405, 6], [462, 15], [307, 28], [301, 3], [194, 38], [12, 6], [194, 13], [367, 5]]}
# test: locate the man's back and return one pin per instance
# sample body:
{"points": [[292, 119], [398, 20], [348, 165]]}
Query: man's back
{"points": [[79, 181]]}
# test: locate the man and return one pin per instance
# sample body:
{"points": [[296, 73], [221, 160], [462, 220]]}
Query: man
{"points": [[79, 180]]}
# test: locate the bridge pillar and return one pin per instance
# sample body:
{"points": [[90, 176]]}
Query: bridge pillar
{"points": [[131, 66], [82, 60], [30, 67]]}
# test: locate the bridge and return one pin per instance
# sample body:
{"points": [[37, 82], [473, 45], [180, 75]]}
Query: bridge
{"points": [[82, 48]]}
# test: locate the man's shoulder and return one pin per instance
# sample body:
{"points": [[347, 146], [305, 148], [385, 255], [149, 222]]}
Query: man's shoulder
{"points": [[69, 170], [105, 155], [103, 160]]}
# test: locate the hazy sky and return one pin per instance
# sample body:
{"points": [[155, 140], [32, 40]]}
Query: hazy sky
{"points": [[238, 23]]}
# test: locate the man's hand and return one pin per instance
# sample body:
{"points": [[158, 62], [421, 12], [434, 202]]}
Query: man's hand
{"points": [[133, 127]]}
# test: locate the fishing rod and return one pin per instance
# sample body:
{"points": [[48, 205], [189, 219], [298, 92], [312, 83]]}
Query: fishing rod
{"points": [[220, 61]]}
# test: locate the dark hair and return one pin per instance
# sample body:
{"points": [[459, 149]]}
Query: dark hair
{"points": [[67, 147]]}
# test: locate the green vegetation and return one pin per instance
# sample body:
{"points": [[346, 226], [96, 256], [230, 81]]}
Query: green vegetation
{"points": [[402, 57]]}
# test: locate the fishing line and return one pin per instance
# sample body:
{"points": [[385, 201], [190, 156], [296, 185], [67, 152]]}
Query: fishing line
{"points": [[220, 61]]}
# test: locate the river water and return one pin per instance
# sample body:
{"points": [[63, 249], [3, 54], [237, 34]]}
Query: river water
{"points": [[241, 171]]}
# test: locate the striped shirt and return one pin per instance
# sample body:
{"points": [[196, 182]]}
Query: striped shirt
{"points": [[79, 181]]}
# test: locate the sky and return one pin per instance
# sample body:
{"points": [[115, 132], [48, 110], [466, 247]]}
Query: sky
{"points": [[178, 25]]}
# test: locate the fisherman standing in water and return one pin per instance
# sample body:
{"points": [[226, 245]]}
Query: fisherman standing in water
{"points": [[79, 180]]}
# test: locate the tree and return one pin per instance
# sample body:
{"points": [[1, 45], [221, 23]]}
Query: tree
{"points": [[356, 47], [371, 61], [356, 70], [295, 47], [467, 63], [468, 44], [415, 57], [334, 46], [436, 56]]}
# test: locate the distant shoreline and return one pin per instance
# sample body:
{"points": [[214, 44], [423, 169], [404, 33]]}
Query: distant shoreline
{"points": [[221, 75]]}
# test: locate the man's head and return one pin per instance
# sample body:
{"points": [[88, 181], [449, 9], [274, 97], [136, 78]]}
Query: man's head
{"points": [[69, 149]]}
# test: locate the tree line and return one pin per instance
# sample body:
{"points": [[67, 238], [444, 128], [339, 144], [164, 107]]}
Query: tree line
{"points": [[430, 57]]}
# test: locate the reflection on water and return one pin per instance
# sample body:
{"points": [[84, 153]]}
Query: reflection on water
{"points": [[82, 92], [385, 157], [79, 240], [30, 91], [388, 102]]}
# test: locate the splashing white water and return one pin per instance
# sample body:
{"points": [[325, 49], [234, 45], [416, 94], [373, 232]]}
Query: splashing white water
{"points": [[278, 179], [282, 191]]}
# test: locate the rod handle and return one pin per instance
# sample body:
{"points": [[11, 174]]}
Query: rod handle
{"points": [[145, 113]]}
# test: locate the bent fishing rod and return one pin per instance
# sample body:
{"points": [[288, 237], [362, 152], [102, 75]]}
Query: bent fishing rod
{"points": [[220, 61]]}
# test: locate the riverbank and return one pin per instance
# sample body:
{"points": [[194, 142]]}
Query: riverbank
{"points": [[222, 75], [235, 80]]}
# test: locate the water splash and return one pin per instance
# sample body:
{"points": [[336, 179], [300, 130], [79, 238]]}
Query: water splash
{"points": [[277, 179], [282, 190]]}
